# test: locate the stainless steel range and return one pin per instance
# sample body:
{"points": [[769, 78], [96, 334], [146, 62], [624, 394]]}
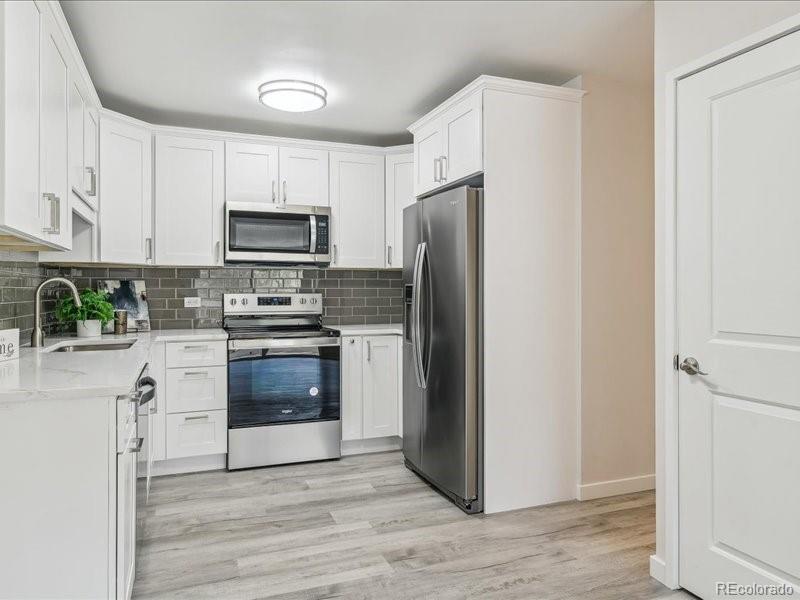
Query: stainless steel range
{"points": [[283, 380]]}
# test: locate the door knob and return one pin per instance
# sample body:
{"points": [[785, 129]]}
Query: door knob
{"points": [[691, 366]]}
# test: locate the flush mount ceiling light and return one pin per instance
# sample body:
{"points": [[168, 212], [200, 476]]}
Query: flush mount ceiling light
{"points": [[292, 95]]}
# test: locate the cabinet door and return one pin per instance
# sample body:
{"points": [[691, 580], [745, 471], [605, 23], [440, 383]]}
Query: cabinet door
{"points": [[126, 523], [126, 215], [251, 172], [91, 132], [21, 201], [352, 390], [380, 386], [53, 172], [190, 199], [304, 176], [357, 210], [399, 195], [462, 126], [427, 153], [77, 107]]}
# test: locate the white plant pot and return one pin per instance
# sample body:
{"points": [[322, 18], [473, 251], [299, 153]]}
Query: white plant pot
{"points": [[88, 328]]}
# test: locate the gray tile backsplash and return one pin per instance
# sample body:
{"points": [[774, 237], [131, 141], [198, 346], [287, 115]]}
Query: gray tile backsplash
{"points": [[18, 281], [349, 296]]}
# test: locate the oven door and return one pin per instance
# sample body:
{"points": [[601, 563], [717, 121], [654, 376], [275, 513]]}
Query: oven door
{"points": [[280, 381], [260, 233]]}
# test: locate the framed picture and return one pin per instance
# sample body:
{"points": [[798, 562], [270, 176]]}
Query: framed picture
{"points": [[130, 295]]}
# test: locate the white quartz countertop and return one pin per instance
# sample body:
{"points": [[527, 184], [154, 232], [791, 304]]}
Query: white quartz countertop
{"points": [[41, 375], [382, 329]]}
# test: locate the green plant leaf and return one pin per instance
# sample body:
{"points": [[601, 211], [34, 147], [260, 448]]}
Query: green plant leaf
{"points": [[94, 306]]}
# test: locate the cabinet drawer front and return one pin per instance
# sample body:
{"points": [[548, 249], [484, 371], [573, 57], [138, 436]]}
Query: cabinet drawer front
{"points": [[197, 388], [197, 354], [197, 433]]}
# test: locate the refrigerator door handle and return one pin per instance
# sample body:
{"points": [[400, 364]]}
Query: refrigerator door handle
{"points": [[415, 316], [423, 254]]}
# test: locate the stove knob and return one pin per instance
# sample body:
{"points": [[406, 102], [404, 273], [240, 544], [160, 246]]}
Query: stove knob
{"points": [[232, 301], [302, 300], [313, 301], [244, 301]]}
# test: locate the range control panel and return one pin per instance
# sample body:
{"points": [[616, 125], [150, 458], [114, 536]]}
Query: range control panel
{"points": [[271, 304]]}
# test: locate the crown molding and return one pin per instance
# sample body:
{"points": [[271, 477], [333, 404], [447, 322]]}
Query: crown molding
{"points": [[502, 84]]}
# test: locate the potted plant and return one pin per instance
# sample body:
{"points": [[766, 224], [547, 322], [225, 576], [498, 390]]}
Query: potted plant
{"points": [[94, 312]]}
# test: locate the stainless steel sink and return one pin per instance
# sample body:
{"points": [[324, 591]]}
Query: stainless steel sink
{"points": [[89, 347]]}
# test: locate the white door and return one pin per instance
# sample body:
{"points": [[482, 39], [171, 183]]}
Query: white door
{"points": [[54, 173], [189, 200], [380, 386], [357, 207], [304, 176], [463, 147], [22, 205], [352, 388], [251, 172], [126, 217], [91, 132], [738, 219], [399, 195], [427, 157]]}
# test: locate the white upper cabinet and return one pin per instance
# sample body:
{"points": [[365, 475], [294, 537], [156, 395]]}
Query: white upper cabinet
{"points": [[251, 172], [303, 176], [399, 195], [53, 170], [189, 201], [380, 386], [126, 211], [20, 203], [448, 146], [83, 131], [462, 154], [357, 210], [428, 153]]}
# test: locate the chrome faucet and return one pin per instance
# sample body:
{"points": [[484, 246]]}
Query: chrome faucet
{"points": [[37, 336]]}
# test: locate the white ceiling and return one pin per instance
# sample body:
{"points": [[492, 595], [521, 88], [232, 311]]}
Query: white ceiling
{"points": [[198, 64]]}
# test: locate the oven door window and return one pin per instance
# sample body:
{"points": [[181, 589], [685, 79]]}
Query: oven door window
{"points": [[268, 386], [259, 232]]}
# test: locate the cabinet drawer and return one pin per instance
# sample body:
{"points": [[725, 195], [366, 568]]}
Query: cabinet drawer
{"points": [[197, 433], [197, 354], [197, 388]]}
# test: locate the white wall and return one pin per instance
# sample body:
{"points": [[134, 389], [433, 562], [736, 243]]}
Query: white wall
{"points": [[685, 31]]}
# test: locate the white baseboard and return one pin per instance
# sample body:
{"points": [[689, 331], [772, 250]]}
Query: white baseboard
{"points": [[384, 444], [658, 571], [191, 464], [615, 487]]}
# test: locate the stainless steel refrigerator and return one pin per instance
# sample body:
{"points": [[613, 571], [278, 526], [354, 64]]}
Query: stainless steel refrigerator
{"points": [[442, 349]]}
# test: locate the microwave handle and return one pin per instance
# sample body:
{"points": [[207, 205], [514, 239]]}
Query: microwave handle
{"points": [[312, 219]]}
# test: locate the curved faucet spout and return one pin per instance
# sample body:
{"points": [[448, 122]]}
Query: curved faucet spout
{"points": [[37, 335]]}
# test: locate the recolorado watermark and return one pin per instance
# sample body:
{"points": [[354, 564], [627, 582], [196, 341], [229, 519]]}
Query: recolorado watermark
{"points": [[731, 588]]}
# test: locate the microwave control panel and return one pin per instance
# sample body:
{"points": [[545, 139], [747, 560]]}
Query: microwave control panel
{"points": [[323, 237]]}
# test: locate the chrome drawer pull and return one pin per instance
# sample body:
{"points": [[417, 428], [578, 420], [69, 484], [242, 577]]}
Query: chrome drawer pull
{"points": [[196, 418]]}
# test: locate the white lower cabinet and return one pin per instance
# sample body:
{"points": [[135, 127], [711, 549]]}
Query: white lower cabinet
{"points": [[370, 387], [193, 389], [197, 433]]}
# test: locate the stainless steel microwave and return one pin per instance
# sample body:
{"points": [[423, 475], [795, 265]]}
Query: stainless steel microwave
{"points": [[277, 233]]}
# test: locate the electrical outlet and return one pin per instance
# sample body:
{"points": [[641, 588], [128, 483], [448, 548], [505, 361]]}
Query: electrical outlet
{"points": [[191, 303]]}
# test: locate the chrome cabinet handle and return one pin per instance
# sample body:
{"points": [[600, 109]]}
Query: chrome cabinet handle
{"points": [[92, 191], [335, 253], [195, 373], [369, 351], [443, 168], [148, 246], [55, 213], [196, 347], [273, 192], [352, 340], [137, 444], [284, 192], [217, 250], [389, 255], [436, 170], [196, 418], [691, 367]]}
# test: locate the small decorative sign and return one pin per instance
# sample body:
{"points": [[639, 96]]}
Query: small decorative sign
{"points": [[9, 344]]}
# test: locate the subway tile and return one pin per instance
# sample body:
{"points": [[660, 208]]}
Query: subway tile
{"points": [[378, 283], [352, 321], [352, 283], [366, 293], [126, 273], [353, 301], [365, 274], [175, 324], [390, 274], [365, 310]]}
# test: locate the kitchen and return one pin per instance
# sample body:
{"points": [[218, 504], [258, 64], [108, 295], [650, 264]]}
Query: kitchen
{"points": [[285, 318]]}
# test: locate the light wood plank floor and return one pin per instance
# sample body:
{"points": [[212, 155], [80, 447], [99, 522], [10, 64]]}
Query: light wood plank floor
{"points": [[366, 527]]}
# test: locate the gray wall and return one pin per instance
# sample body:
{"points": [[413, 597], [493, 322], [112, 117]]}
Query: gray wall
{"points": [[350, 297], [18, 281]]}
